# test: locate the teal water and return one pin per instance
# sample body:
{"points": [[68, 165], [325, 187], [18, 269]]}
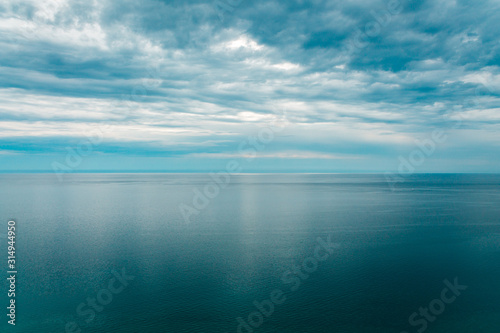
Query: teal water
{"points": [[394, 249]]}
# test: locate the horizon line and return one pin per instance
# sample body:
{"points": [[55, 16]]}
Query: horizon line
{"points": [[238, 173]]}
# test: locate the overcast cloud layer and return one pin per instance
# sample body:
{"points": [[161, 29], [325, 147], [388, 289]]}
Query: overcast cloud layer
{"points": [[184, 85]]}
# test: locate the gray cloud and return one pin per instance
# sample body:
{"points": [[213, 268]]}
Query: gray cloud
{"points": [[175, 79]]}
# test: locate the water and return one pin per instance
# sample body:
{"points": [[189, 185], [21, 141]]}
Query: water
{"points": [[394, 250]]}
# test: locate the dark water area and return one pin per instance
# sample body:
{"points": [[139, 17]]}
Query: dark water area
{"points": [[184, 253]]}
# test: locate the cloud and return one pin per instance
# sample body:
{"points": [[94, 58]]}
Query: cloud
{"points": [[172, 78], [277, 155]]}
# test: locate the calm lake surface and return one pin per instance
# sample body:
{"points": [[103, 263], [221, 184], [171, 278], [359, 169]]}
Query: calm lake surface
{"points": [[394, 248]]}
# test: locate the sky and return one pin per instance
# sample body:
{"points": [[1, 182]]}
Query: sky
{"points": [[401, 86]]}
